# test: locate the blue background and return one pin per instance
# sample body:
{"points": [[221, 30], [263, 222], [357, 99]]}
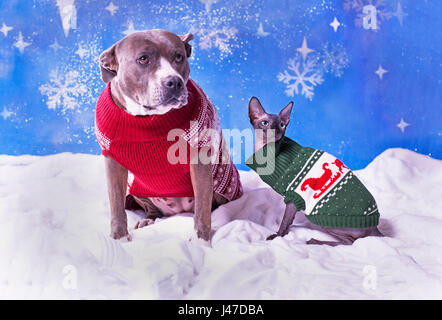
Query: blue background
{"points": [[352, 113]]}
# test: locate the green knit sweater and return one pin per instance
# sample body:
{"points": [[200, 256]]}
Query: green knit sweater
{"points": [[317, 182]]}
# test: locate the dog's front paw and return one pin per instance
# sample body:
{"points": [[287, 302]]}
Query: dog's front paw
{"points": [[271, 237], [199, 241], [143, 223], [120, 232]]}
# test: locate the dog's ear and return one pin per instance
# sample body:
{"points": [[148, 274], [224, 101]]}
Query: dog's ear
{"points": [[255, 109], [284, 114], [185, 39], [108, 64]]}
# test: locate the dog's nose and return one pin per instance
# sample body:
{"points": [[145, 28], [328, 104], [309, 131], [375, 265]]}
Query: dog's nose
{"points": [[173, 83]]}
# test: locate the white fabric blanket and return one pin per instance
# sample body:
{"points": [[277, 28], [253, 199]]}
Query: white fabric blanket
{"points": [[54, 243]]}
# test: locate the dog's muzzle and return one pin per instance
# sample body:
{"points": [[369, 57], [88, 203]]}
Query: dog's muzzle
{"points": [[173, 85], [170, 94]]}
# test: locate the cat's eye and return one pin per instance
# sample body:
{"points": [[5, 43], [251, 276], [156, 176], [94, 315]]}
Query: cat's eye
{"points": [[265, 123], [282, 124]]}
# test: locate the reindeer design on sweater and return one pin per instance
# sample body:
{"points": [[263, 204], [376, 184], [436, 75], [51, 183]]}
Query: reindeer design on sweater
{"points": [[326, 180]]}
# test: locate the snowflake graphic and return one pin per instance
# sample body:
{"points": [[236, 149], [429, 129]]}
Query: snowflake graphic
{"points": [[214, 30], [218, 38], [303, 76], [334, 59], [215, 26], [306, 75], [382, 13], [72, 89], [63, 91]]}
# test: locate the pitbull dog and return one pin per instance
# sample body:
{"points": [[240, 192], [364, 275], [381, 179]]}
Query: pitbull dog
{"points": [[148, 72]]}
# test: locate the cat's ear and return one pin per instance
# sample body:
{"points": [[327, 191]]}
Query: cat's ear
{"points": [[255, 109], [284, 114]]}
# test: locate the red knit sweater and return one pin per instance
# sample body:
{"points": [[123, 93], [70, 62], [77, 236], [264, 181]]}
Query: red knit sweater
{"points": [[139, 143]]}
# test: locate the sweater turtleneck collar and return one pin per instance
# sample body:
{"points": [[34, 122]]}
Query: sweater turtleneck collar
{"points": [[152, 126], [272, 160]]}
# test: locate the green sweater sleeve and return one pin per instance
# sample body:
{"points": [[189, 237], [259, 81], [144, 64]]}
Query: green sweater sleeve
{"points": [[291, 196]]}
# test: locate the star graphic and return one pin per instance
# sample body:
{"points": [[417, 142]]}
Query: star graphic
{"points": [[130, 29], [55, 46], [5, 114], [335, 24], [261, 32], [402, 125], [81, 52], [400, 14], [380, 72], [112, 8], [20, 44], [5, 29], [304, 49]]}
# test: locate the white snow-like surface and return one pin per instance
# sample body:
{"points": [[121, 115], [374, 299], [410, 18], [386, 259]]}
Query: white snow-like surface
{"points": [[54, 225]]}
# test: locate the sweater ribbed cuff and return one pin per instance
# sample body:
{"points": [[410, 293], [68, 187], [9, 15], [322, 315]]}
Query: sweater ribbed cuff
{"points": [[296, 199], [345, 221]]}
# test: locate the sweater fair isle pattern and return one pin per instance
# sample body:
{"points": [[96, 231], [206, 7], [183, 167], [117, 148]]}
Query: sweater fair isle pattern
{"points": [[140, 144], [317, 182]]}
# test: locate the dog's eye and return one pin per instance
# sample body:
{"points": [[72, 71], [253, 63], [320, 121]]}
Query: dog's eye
{"points": [[143, 60], [282, 124], [265, 123], [179, 57]]}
